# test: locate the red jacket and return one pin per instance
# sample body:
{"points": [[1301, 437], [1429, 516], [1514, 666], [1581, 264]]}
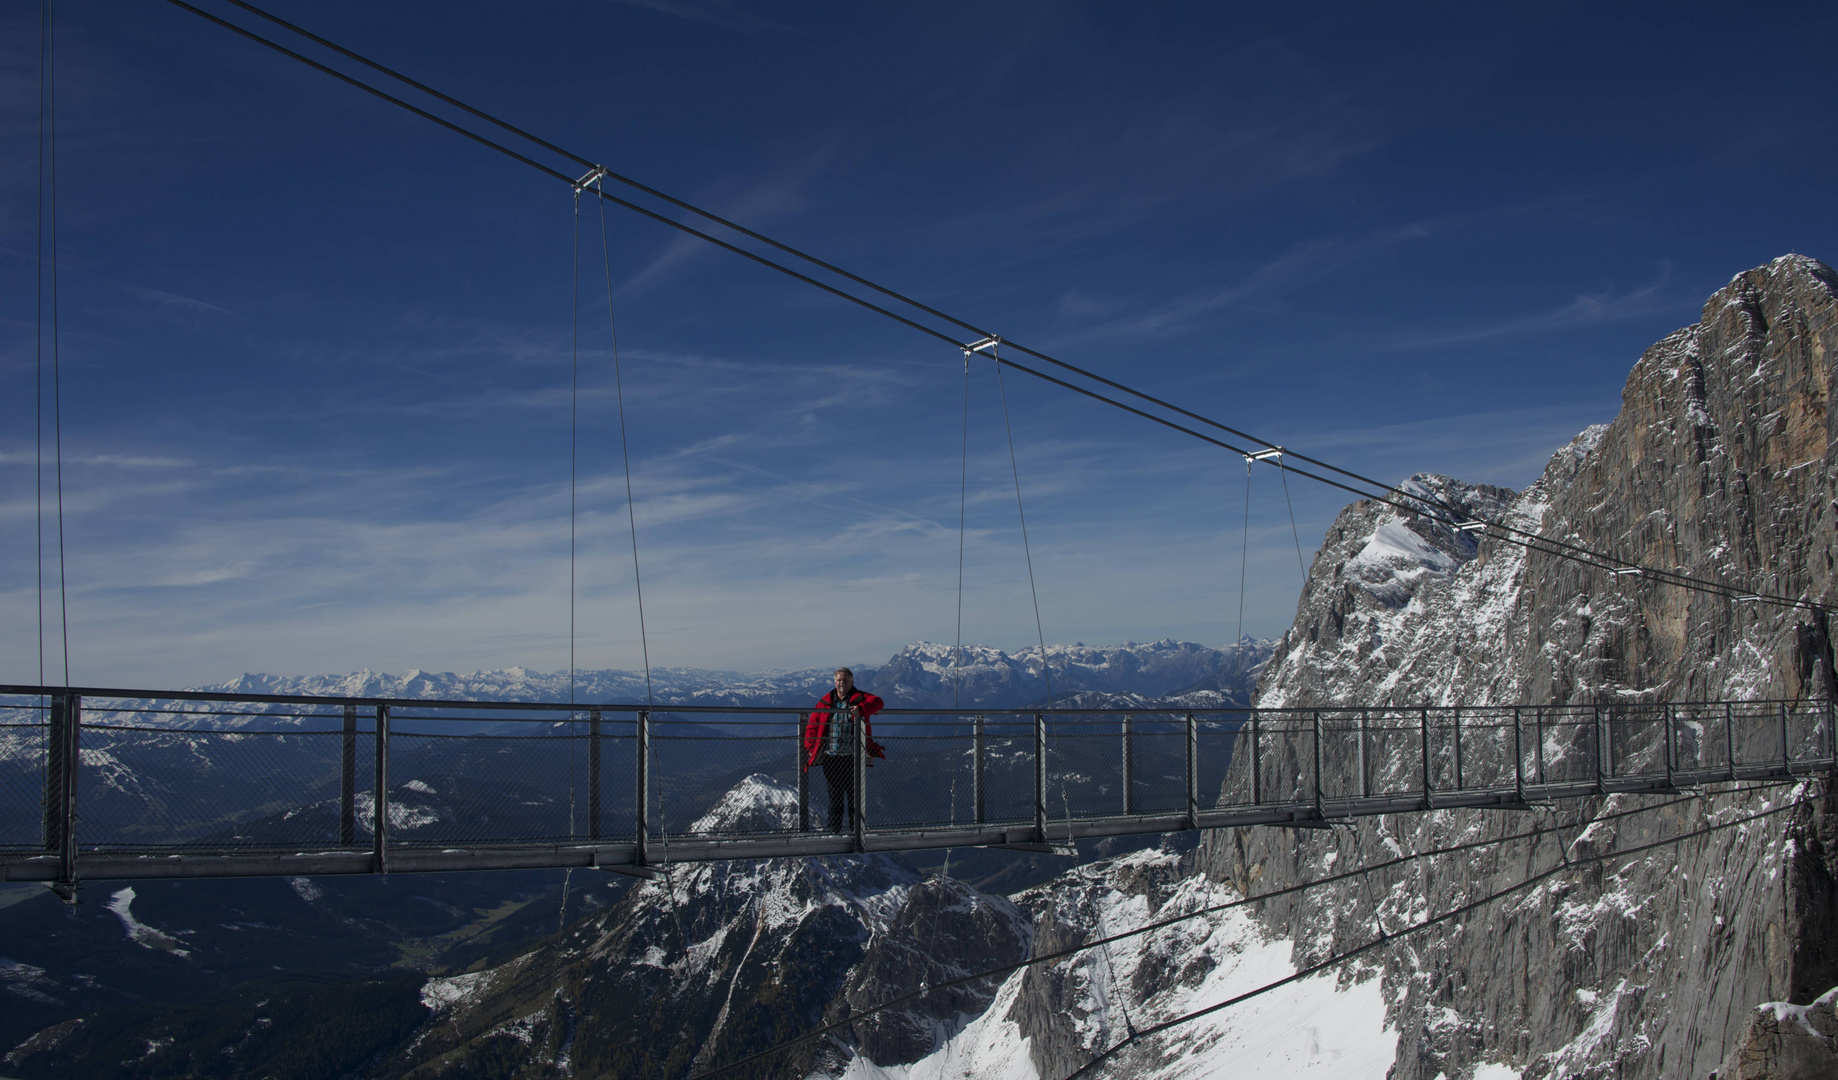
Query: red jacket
{"points": [[817, 725]]}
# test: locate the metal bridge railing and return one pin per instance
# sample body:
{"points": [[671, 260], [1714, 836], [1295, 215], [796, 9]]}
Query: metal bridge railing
{"points": [[110, 779]]}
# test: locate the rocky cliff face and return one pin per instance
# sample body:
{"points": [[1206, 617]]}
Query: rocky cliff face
{"points": [[1721, 464]]}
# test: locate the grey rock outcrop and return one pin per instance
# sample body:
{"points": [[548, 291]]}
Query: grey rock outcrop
{"points": [[1723, 465], [1786, 1042]]}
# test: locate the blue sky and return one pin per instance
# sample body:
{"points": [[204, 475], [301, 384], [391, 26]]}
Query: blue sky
{"points": [[316, 352]]}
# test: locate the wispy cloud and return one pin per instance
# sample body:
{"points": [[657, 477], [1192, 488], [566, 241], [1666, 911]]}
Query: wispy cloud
{"points": [[713, 12], [161, 296], [1585, 309], [752, 206]]}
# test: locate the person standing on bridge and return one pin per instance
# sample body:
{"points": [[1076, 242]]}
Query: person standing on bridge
{"points": [[830, 739]]}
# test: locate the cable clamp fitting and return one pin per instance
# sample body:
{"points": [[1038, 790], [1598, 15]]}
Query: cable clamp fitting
{"points": [[1471, 526], [1264, 455], [598, 172], [1623, 571], [987, 345]]}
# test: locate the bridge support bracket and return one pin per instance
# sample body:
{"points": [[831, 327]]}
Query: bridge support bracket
{"points": [[645, 873], [1042, 849]]}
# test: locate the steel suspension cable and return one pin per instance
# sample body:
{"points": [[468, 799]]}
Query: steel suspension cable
{"points": [[1392, 494], [1214, 909]]}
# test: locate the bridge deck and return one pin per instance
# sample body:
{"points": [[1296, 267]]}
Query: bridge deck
{"points": [[178, 785]]}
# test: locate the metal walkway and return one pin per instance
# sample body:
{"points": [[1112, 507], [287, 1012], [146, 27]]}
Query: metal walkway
{"points": [[124, 784]]}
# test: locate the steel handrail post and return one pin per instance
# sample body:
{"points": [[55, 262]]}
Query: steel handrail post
{"points": [[380, 828], [804, 774], [1040, 777], [1729, 740], [1666, 715], [53, 825], [1831, 737], [1459, 784], [1596, 741], [1365, 778], [1609, 742], [347, 781], [1317, 716], [593, 774], [1518, 754], [1193, 772], [1129, 778], [978, 739], [861, 782], [1424, 727], [63, 759], [1257, 763], [1786, 760], [642, 837], [1538, 734]]}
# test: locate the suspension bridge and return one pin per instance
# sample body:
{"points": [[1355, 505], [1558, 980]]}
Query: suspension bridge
{"points": [[128, 784], [119, 784]]}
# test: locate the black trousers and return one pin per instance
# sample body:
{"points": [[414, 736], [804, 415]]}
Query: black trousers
{"points": [[839, 771]]}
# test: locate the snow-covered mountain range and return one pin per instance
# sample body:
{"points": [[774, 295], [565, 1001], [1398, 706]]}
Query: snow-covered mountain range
{"points": [[922, 675]]}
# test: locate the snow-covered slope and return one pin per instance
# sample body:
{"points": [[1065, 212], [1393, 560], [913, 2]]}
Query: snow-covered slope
{"points": [[719, 960], [1048, 1019]]}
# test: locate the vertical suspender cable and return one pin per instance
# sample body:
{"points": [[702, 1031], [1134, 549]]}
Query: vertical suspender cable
{"points": [[625, 453], [574, 383], [47, 239], [1046, 668], [1244, 550], [638, 589], [1046, 663], [57, 385], [963, 496], [574, 398], [1283, 471], [38, 336]]}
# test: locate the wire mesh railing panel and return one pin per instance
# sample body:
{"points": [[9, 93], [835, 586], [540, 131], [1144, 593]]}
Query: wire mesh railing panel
{"points": [[1284, 765], [1487, 751], [708, 783], [1694, 743], [1218, 742], [1759, 736], [1394, 753], [24, 745], [1809, 731], [1008, 774], [448, 789], [928, 778], [152, 787], [1084, 771], [618, 777], [1158, 766], [1575, 751]]}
